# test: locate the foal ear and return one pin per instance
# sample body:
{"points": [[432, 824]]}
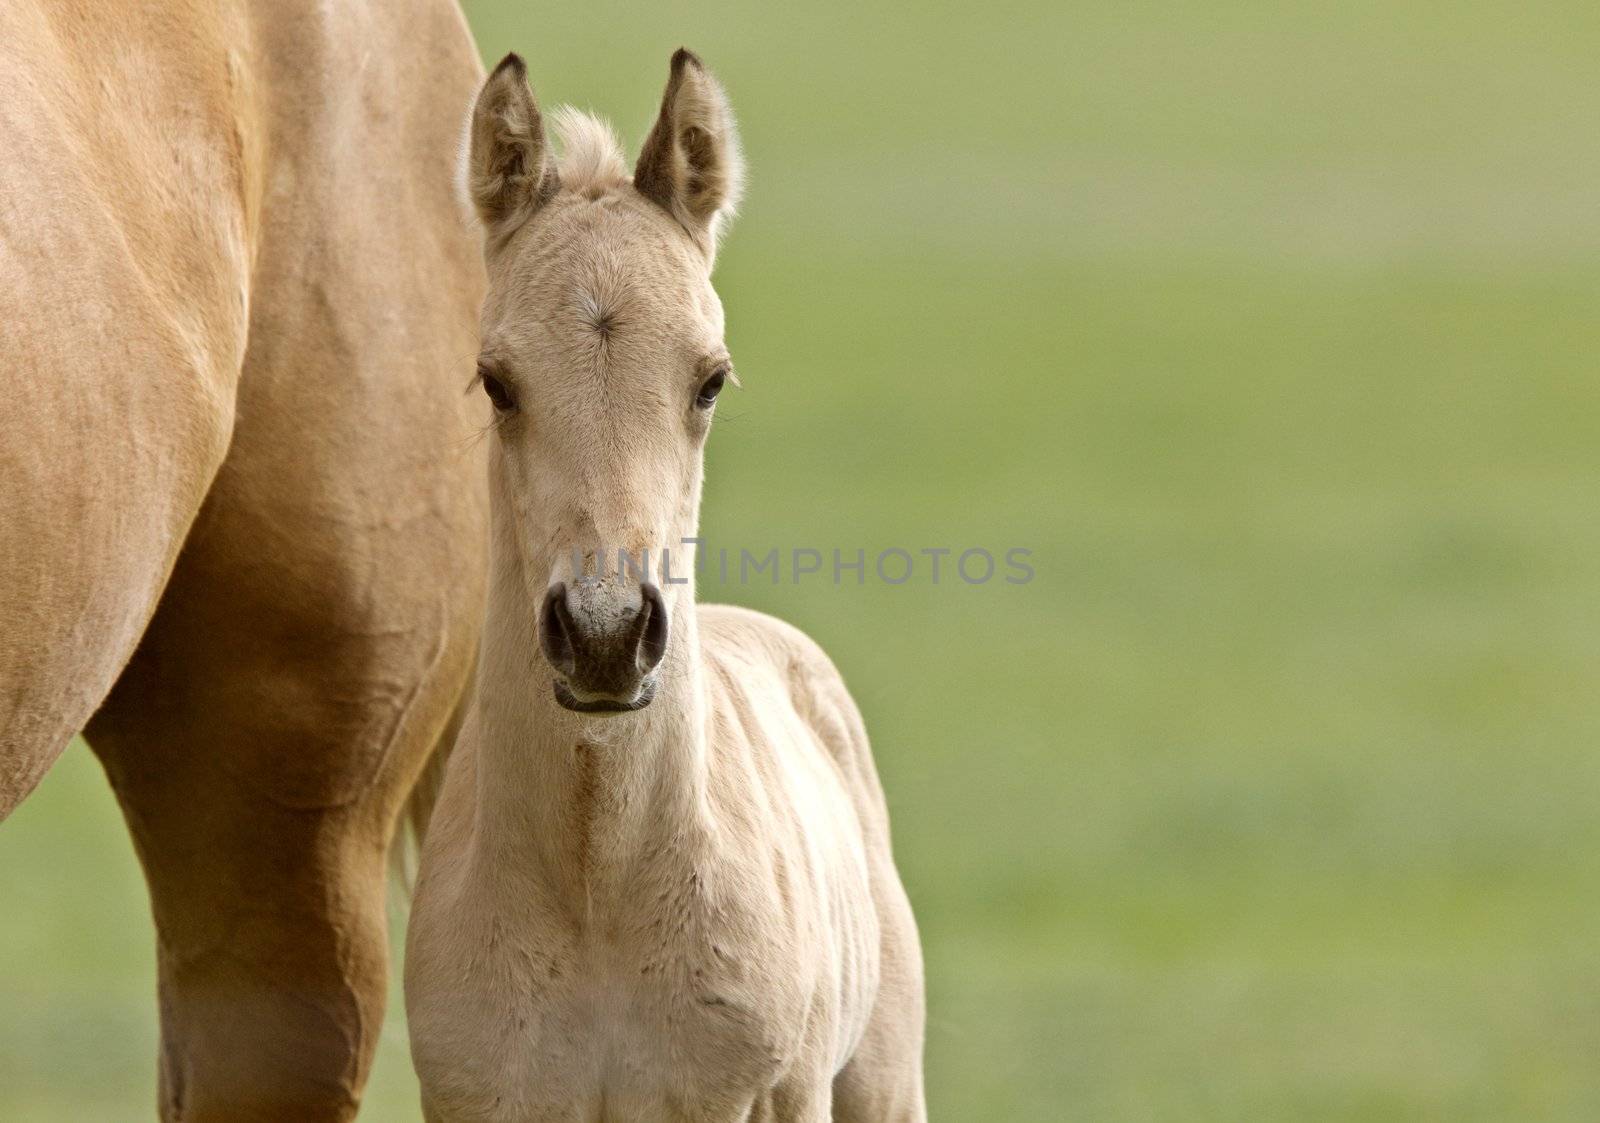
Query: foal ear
{"points": [[508, 173], [690, 163]]}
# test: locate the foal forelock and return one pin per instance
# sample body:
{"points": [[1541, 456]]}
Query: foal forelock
{"points": [[591, 158]]}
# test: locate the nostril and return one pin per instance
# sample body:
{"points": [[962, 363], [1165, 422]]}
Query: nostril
{"points": [[653, 632], [555, 629]]}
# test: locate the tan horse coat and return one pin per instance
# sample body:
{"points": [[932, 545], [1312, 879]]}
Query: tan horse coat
{"points": [[687, 910], [241, 520]]}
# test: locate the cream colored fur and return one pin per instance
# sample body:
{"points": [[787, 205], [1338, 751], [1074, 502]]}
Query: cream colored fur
{"points": [[688, 911]]}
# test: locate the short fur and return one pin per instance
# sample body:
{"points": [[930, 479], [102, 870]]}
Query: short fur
{"points": [[689, 910], [242, 521]]}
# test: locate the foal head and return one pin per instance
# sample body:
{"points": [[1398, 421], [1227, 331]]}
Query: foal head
{"points": [[602, 354]]}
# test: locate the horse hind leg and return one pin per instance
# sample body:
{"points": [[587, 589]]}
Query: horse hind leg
{"points": [[261, 780]]}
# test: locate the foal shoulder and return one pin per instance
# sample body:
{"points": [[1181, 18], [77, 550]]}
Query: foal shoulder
{"points": [[744, 641], [742, 644]]}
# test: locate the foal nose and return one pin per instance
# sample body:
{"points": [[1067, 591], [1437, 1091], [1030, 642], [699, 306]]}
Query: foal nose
{"points": [[603, 638]]}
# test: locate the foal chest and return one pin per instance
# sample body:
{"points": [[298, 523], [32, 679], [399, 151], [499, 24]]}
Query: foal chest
{"points": [[558, 1029]]}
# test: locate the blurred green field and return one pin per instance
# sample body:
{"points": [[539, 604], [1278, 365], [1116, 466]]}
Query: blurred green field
{"points": [[1272, 330]]}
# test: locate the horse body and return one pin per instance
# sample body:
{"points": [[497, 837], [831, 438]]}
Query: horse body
{"points": [[128, 212], [241, 537], [658, 883]]}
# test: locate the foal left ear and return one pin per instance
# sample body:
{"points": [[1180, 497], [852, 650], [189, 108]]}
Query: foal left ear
{"points": [[690, 163]]}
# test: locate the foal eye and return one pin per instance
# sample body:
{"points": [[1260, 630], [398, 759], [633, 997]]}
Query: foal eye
{"points": [[499, 396], [710, 388]]}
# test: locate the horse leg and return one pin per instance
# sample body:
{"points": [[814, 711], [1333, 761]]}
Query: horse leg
{"points": [[804, 1096], [882, 1082], [314, 640], [270, 924], [261, 781]]}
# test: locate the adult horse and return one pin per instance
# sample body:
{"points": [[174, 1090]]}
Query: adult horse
{"points": [[241, 521]]}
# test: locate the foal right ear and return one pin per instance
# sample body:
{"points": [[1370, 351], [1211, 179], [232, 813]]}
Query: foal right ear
{"points": [[508, 170]]}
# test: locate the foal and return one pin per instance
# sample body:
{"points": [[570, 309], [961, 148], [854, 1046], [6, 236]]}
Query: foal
{"points": [[658, 883]]}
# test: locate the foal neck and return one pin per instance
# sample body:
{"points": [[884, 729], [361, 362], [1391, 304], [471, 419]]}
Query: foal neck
{"points": [[586, 803]]}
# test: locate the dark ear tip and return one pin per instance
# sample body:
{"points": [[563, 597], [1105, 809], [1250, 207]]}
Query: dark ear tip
{"points": [[512, 62], [682, 57]]}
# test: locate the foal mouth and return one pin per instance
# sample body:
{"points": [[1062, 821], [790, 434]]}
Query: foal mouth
{"points": [[569, 701]]}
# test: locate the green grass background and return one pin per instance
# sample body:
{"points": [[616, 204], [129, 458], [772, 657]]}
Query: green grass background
{"points": [[1271, 329]]}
